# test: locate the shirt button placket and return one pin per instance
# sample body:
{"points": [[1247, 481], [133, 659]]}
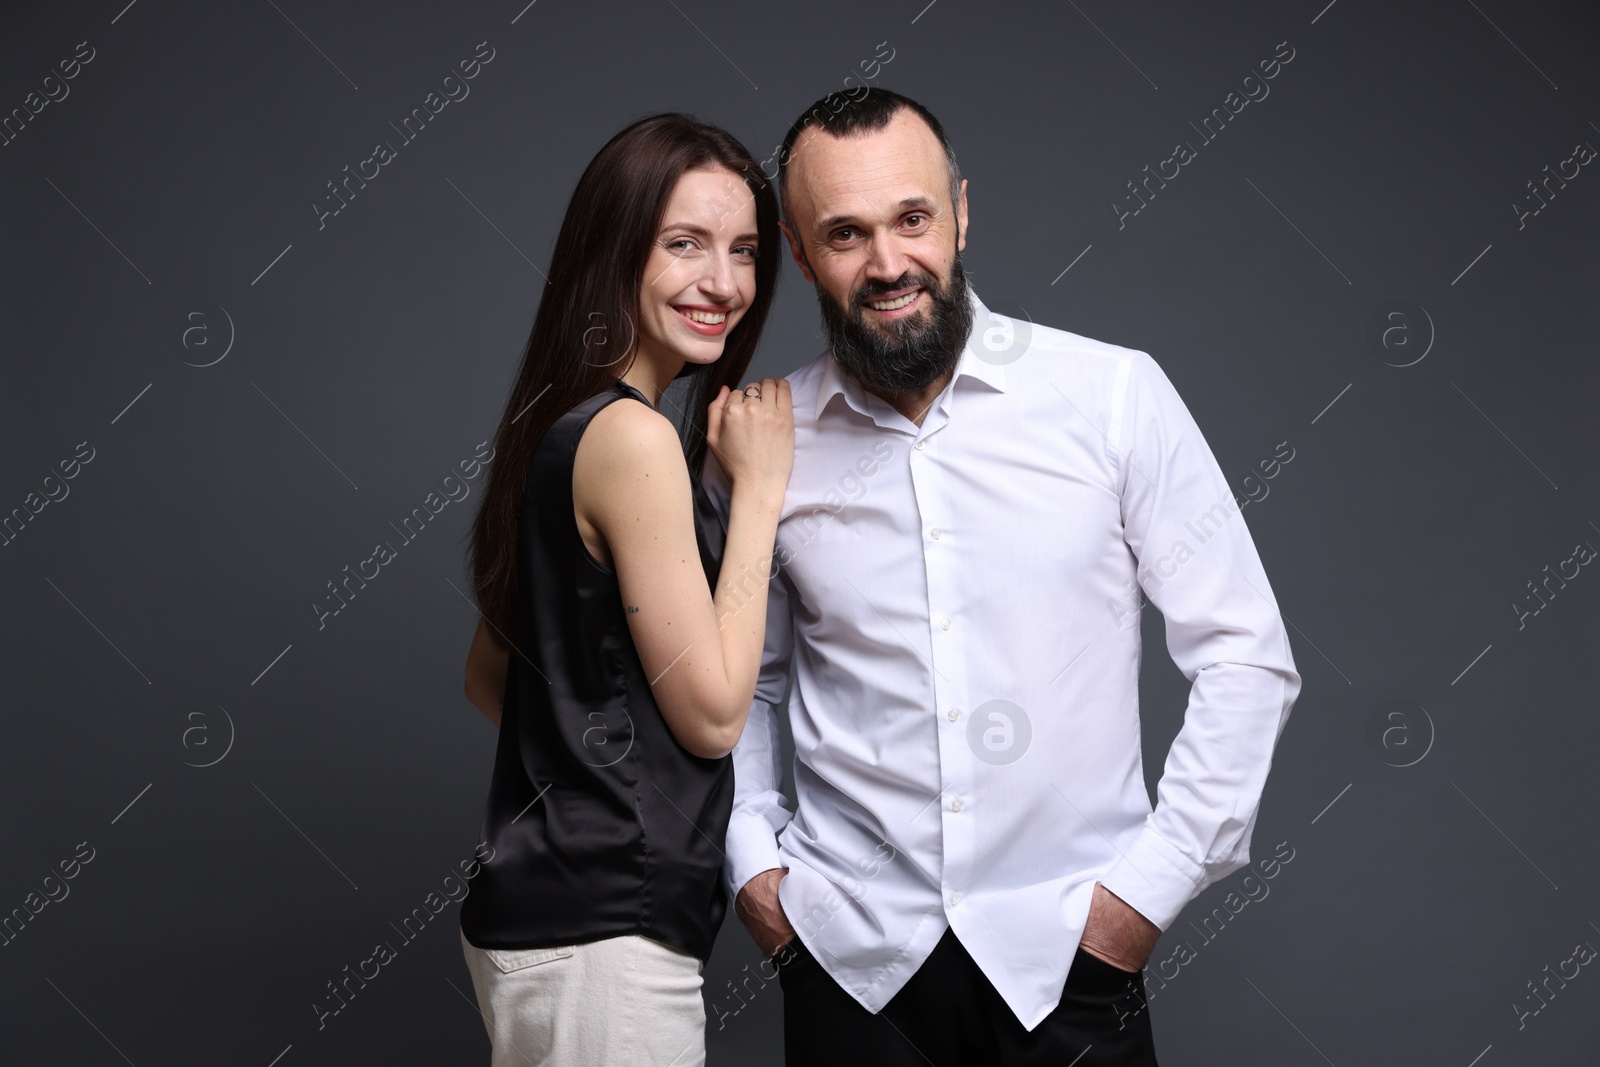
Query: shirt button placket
{"points": [[949, 671]]}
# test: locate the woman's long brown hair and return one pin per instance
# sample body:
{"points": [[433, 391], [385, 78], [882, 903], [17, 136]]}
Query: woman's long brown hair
{"points": [[584, 337]]}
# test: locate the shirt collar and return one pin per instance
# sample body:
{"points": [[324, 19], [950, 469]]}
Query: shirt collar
{"points": [[833, 381]]}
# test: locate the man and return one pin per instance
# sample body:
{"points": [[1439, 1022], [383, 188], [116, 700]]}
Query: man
{"points": [[971, 871]]}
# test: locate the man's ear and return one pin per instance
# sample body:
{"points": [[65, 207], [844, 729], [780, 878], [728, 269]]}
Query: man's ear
{"points": [[798, 253], [961, 218]]}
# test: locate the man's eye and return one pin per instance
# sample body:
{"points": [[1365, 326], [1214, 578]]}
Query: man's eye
{"points": [[843, 235], [915, 220]]}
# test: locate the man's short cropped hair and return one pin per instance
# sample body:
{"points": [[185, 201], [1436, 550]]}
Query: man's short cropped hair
{"points": [[845, 115]]}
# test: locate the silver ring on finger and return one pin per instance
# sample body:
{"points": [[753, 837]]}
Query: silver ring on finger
{"points": [[752, 396]]}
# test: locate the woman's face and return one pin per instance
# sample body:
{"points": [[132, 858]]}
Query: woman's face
{"points": [[700, 276]]}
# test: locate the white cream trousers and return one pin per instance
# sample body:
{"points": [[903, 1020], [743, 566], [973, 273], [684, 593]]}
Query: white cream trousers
{"points": [[626, 1001]]}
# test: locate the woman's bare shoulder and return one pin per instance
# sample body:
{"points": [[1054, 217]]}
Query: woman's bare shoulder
{"points": [[625, 443]]}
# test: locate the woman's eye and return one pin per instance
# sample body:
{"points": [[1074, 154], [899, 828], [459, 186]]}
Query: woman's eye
{"points": [[748, 250], [683, 241]]}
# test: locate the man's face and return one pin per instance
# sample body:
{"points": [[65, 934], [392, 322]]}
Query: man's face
{"points": [[872, 227]]}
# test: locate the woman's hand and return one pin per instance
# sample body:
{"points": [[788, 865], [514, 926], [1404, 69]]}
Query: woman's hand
{"points": [[753, 438]]}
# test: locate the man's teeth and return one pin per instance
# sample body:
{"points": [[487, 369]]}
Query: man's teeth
{"points": [[890, 305], [710, 318]]}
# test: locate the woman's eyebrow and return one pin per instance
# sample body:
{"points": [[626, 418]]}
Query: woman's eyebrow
{"points": [[701, 232]]}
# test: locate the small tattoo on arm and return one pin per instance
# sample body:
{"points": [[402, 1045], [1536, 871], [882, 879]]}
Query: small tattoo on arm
{"points": [[632, 608]]}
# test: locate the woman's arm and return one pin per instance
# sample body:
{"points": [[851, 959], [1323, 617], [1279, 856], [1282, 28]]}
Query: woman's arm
{"points": [[486, 673], [701, 653]]}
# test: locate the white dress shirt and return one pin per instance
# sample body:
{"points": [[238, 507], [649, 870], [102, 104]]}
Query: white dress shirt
{"points": [[957, 605]]}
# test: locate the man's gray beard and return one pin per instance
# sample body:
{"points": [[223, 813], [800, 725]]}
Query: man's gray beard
{"points": [[915, 352]]}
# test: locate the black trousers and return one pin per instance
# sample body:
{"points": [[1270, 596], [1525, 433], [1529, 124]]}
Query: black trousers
{"points": [[949, 1015]]}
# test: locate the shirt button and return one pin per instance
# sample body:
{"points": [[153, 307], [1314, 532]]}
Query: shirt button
{"points": [[944, 623], [952, 714], [956, 805], [954, 897], [919, 445], [935, 533]]}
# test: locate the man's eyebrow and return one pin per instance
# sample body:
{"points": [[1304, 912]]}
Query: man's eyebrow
{"points": [[910, 203]]}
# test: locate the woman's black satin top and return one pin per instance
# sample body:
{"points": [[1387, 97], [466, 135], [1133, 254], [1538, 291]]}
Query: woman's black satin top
{"points": [[600, 823]]}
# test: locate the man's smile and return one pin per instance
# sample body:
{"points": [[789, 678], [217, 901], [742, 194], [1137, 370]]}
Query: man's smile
{"points": [[895, 307]]}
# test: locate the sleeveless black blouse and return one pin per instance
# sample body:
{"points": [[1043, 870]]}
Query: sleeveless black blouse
{"points": [[600, 822]]}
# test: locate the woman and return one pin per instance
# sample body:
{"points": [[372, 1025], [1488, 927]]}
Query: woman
{"points": [[619, 680]]}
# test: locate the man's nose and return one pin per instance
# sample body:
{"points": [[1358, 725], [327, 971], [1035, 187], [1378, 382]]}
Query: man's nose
{"points": [[886, 260]]}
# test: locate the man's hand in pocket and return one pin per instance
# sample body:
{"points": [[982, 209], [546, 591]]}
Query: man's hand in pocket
{"points": [[1117, 933], [758, 908]]}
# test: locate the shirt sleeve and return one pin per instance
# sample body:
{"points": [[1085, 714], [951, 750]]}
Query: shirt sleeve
{"points": [[1199, 566], [760, 809]]}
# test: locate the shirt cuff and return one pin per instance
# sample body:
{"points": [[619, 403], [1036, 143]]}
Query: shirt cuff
{"points": [[752, 848], [1155, 878]]}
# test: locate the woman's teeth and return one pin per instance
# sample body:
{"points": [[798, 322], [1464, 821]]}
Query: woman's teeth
{"points": [[891, 305], [710, 318]]}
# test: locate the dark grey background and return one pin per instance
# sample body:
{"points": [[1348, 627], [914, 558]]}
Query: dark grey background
{"points": [[164, 606]]}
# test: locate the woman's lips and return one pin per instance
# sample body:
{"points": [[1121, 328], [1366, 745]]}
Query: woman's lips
{"points": [[705, 329]]}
